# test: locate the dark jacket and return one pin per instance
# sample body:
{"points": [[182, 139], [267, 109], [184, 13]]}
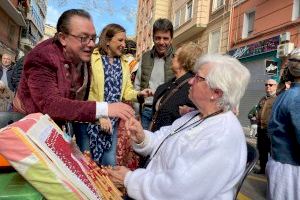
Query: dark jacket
{"points": [[252, 115], [9, 76], [48, 85], [16, 74], [169, 112], [264, 108]]}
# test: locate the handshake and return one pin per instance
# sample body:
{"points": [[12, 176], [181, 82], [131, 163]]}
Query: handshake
{"points": [[121, 110]]}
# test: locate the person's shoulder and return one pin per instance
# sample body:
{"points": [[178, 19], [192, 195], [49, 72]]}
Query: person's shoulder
{"points": [[263, 98], [223, 119], [228, 124], [95, 55], [43, 47], [46, 52], [96, 52], [162, 87], [261, 101], [126, 58], [19, 63], [171, 51], [147, 53], [291, 94]]}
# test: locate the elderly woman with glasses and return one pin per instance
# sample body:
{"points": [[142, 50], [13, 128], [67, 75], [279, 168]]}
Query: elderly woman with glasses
{"points": [[199, 156], [283, 167]]}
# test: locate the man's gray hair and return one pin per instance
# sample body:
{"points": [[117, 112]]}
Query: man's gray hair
{"points": [[228, 75]]}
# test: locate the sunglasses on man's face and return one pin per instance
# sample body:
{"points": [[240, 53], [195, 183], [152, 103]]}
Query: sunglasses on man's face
{"points": [[269, 84]]}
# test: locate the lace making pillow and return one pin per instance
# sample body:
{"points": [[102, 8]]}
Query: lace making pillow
{"points": [[36, 148]]}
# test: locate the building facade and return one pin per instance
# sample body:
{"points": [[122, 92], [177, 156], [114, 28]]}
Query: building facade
{"points": [[35, 23], [205, 22], [12, 13], [215, 37], [190, 19], [148, 12], [262, 33], [49, 31]]}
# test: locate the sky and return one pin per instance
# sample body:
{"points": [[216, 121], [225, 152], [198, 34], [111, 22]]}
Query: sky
{"points": [[104, 12]]}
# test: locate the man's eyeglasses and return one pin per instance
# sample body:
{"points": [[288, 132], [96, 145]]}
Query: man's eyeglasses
{"points": [[269, 84], [85, 39]]}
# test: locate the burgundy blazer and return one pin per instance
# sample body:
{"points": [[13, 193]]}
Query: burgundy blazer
{"points": [[46, 86]]}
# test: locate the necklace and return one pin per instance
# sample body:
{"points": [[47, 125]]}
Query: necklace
{"points": [[187, 125]]}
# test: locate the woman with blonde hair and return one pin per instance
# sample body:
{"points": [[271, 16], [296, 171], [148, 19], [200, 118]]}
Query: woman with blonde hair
{"points": [[172, 95], [110, 82]]}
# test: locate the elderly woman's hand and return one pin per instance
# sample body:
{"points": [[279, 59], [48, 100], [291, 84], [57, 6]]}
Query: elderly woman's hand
{"points": [[117, 175], [135, 130]]}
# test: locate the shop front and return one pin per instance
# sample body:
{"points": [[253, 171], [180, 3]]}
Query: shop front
{"points": [[260, 58]]}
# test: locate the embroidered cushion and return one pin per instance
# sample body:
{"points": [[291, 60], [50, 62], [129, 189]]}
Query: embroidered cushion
{"points": [[29, 143]]}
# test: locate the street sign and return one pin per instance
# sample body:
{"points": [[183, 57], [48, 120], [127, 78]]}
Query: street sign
{"points": [[271, 67]]}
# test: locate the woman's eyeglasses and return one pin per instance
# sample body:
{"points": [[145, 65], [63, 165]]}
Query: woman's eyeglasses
{"points": [[199, 78]]}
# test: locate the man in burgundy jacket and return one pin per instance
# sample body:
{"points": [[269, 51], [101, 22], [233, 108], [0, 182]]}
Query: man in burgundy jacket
{"points": [[55, 79]]}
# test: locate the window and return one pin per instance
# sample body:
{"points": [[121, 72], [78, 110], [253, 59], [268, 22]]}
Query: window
{"points": [[189, 10], [217, 4], [150, 15], [248, 26], [177, 19], [296, 10], [11, 31], [182, 15], [214, 41]]}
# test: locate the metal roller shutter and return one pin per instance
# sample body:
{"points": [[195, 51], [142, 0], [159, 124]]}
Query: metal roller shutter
{"points": [[256, 88]]}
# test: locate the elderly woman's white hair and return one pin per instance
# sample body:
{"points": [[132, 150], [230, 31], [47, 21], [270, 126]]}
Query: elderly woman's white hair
{"points": [[228, 75]]}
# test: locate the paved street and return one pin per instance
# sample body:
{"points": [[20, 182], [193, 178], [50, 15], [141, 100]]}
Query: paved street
{"points": [[255, 185]]}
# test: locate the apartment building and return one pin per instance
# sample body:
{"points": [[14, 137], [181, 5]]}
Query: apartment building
{"points": [[214, 39], [49, 32], [203, 21], [148, 12], [35, 22], [190, 19], [262, 34], [12, 19]]}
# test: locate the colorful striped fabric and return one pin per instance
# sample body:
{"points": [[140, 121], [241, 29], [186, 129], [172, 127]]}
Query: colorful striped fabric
{"points": [[34, 146]]}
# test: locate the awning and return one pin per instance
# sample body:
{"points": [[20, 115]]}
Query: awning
{"points": [[11, 11]]}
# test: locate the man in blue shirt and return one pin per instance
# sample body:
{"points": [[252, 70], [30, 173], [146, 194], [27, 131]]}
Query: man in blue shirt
{"points": [[283, 168]]}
